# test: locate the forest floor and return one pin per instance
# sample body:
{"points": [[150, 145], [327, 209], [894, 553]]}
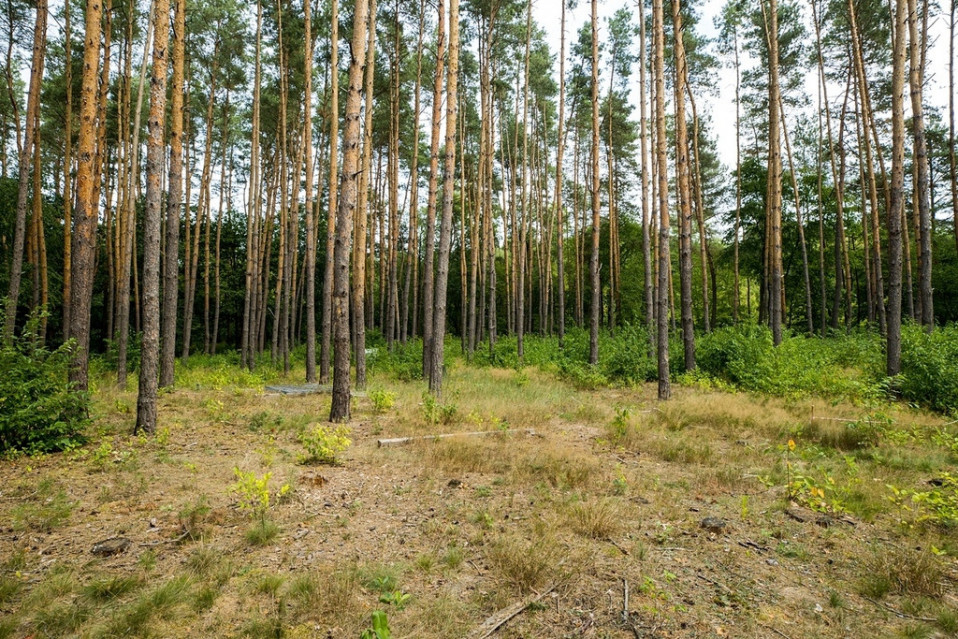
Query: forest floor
{"points": [[700, 509]]}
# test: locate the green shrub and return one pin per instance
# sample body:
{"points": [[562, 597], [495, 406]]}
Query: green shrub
{"points": [[929, 367], [40, 411], [323, 443]]}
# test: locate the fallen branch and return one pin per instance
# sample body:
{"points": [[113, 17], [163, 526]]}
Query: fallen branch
{"points": [[778, 632], [501, 618], [402, 441], [899, 613]]}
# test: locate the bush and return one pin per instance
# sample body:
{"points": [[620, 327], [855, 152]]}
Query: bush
{"points": [[323, 444], [929, 367], [40, 411]]}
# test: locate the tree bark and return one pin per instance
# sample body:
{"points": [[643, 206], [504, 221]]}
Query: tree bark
{"points": [[448, 188], [920, 158], [430, 240], [661, 159], [339, 411], [684, 192], [596, 222], [85, 213], [150, 349], [26, 154], [893, 346]]}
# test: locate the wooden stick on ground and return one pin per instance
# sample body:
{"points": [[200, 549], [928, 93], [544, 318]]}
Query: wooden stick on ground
{"points": [[402, 441], [501, 618]]}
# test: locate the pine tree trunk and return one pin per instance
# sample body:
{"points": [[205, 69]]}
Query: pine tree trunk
{"points": [[661, 159], [920, 152], [893, 347], [67, 171], [333, 211], [774, 206], [85, 213], [360, 291], [448, 188], [23, 185], [684, 192], [152, 221], [596, 284], [430, 241], [339, 411]]}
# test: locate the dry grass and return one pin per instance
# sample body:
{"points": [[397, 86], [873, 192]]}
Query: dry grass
{"points": [[467, 526], [596, 519]]}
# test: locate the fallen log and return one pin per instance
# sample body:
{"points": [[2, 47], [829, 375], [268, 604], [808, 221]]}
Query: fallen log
{"points": [[502, 617], [402, 441]]}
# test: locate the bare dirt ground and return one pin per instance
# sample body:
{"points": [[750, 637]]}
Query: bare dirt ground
{"points": [[699, 512]]}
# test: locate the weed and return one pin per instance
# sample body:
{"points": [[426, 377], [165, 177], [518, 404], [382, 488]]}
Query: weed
{"points": [[396, 598], [193, 518], [436, 413], [323, 443], [103, 590], [382, 400], [379, 628], [262, 532], [253, 492]]}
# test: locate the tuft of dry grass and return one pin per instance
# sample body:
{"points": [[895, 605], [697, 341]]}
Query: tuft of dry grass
{"points": [[901, 572], [523, 564], [596, 519]]}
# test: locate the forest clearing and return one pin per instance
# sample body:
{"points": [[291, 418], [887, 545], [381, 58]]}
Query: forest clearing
{"points": [[480, 318], [723, 513]]}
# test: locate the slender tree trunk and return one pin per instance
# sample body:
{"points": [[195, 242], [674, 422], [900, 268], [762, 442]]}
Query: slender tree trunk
{"points": [[684, 192], [333, 210], [916, 79], [308, 204], [360, 292], [150, 349], [128, 250], [448, 187], [248, 346], [953, 165], [85, 213], [411, 283], [430, 242], [774, 207], [67, 171], [339, 410], [23, 188], [799, 222], [664, 253], [596, 223], [893, 347], [173, 203]]}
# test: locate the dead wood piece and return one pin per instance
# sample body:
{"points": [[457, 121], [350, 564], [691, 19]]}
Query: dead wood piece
{"points": [[776, 631], [110, 547], [402, 441], [898, 613], [501, 618]]}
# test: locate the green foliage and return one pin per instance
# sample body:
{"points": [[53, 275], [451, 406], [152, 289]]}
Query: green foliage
{"points": [[929, 367], [379, 629], [396, 598], [403, 362], [40, 411], [323, 443], [436, 413], [382, 400], [253, 492]]}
